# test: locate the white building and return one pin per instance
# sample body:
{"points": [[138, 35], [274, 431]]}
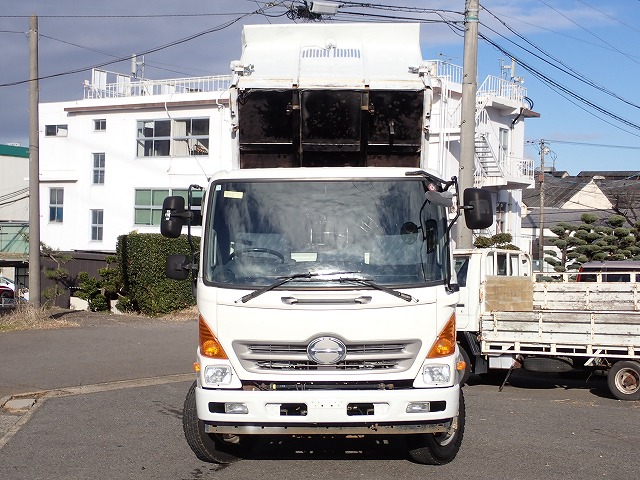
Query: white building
{"points": [[107, 161], [14, 212], [14, 183]]}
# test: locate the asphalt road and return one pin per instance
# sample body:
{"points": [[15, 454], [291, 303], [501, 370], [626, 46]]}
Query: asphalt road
{"points": [[125, 422], [103, 348]]}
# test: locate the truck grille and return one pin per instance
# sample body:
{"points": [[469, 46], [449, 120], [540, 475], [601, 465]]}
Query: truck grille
{"points": [[270, 357]]}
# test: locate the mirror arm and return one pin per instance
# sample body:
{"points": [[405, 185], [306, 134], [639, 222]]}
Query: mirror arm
{"points": [[193, 267]]}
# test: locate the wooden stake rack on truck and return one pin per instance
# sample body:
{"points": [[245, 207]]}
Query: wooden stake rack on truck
{"points": [[569, 325]]}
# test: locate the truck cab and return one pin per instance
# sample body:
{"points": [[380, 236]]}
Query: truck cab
{"points": [[481, 273]]}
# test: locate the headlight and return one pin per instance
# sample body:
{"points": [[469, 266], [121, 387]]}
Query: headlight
{"points": [[217, 374], [436, 374]]}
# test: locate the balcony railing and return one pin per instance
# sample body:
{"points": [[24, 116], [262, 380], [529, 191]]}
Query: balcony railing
{"points": [[447, 70], [491, 86], [113, 85], [499, 87]]}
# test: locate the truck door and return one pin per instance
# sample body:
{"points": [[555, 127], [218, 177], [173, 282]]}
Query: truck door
{"points": [[467, 308]]}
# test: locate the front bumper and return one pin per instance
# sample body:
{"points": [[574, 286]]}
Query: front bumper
{"points": [[273, 412]]}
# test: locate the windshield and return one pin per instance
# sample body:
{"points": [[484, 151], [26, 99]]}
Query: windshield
{"points": [[388, 231]]}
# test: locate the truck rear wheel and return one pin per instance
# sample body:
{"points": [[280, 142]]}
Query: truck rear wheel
{"points": [[439, 448], [211, 447], [623, 380]]}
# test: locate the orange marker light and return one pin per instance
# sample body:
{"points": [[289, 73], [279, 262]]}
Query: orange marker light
{"points": [[209, 344], [445, 344]]}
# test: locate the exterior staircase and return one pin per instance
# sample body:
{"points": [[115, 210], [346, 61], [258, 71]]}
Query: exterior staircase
{"points": [[487, 158]]}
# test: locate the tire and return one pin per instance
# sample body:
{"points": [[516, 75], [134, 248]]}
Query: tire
{"points": [[211, 447], [439, 448], [623, 380], [467, 361]]}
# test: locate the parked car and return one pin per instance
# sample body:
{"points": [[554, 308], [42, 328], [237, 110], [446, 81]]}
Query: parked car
{"points": [[610, 271], [7, 296], [7, 282]]}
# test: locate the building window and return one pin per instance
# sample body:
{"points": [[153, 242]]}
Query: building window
{"points": [[148, 206], [97, 224], [99, 125], [154, 138], [56, 200], [191, 137], [179, 138], [504, 146], [196, 203], [98, 169], [55, 130]]}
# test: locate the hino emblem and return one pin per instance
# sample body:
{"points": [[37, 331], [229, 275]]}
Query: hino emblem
{"points": [[326, 350]]}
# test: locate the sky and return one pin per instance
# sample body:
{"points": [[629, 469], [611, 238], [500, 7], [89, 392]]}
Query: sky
{"points": [[577, 58]]}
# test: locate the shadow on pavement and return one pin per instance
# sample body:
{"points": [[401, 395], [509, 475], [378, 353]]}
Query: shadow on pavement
{"points": [[524, 379]]}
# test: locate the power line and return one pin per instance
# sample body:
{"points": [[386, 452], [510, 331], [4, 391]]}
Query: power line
{"points": [[589, 31], [540, 27], [609, 16], [157, 15], [566, 68], [149, 51], [586, 144], [557, 86]]}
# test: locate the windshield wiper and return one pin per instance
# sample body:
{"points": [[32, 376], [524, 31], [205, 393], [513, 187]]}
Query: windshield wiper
{"points": [[370, 283], [282, 280]]}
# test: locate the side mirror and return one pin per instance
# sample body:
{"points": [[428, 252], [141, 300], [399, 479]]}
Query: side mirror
{"points": [[177, 267], [173, 215], [478, 208]]}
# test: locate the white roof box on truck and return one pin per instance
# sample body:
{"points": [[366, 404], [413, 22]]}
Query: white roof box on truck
{"points": [[349, 55]]}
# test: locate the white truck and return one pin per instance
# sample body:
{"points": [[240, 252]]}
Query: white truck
{"points": [[506, 319], [325, 286]]}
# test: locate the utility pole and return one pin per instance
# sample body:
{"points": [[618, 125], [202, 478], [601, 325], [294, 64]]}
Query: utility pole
{"points": [[541, 222], [34, 167], [468, 126]]}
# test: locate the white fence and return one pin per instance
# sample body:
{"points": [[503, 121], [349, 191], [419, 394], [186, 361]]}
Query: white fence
{"points": [[114, 85]]}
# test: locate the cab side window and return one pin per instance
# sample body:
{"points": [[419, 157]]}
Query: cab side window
{"points": [[501, 263]]}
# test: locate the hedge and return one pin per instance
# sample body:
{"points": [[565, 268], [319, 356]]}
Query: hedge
{"points": [[142, 261]]}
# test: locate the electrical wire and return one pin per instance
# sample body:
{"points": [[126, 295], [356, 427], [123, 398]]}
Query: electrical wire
{"points": [[589, 31], [556, 86], [151, 50], [587, 144], [609, 16], [565, 68]]}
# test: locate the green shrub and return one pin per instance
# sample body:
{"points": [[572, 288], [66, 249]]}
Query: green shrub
{"points": [[99, 303], [142, 262]]}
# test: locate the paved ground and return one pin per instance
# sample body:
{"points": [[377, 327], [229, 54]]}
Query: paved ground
{"points": [[106, 396], [99, 349]]}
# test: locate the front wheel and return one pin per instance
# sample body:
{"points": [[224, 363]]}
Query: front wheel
{"points": [[623, 380], [211, 447], [439, 448]]}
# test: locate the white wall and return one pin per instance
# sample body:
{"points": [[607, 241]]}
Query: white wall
{"points": [[67, 162], [14, 176]]}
